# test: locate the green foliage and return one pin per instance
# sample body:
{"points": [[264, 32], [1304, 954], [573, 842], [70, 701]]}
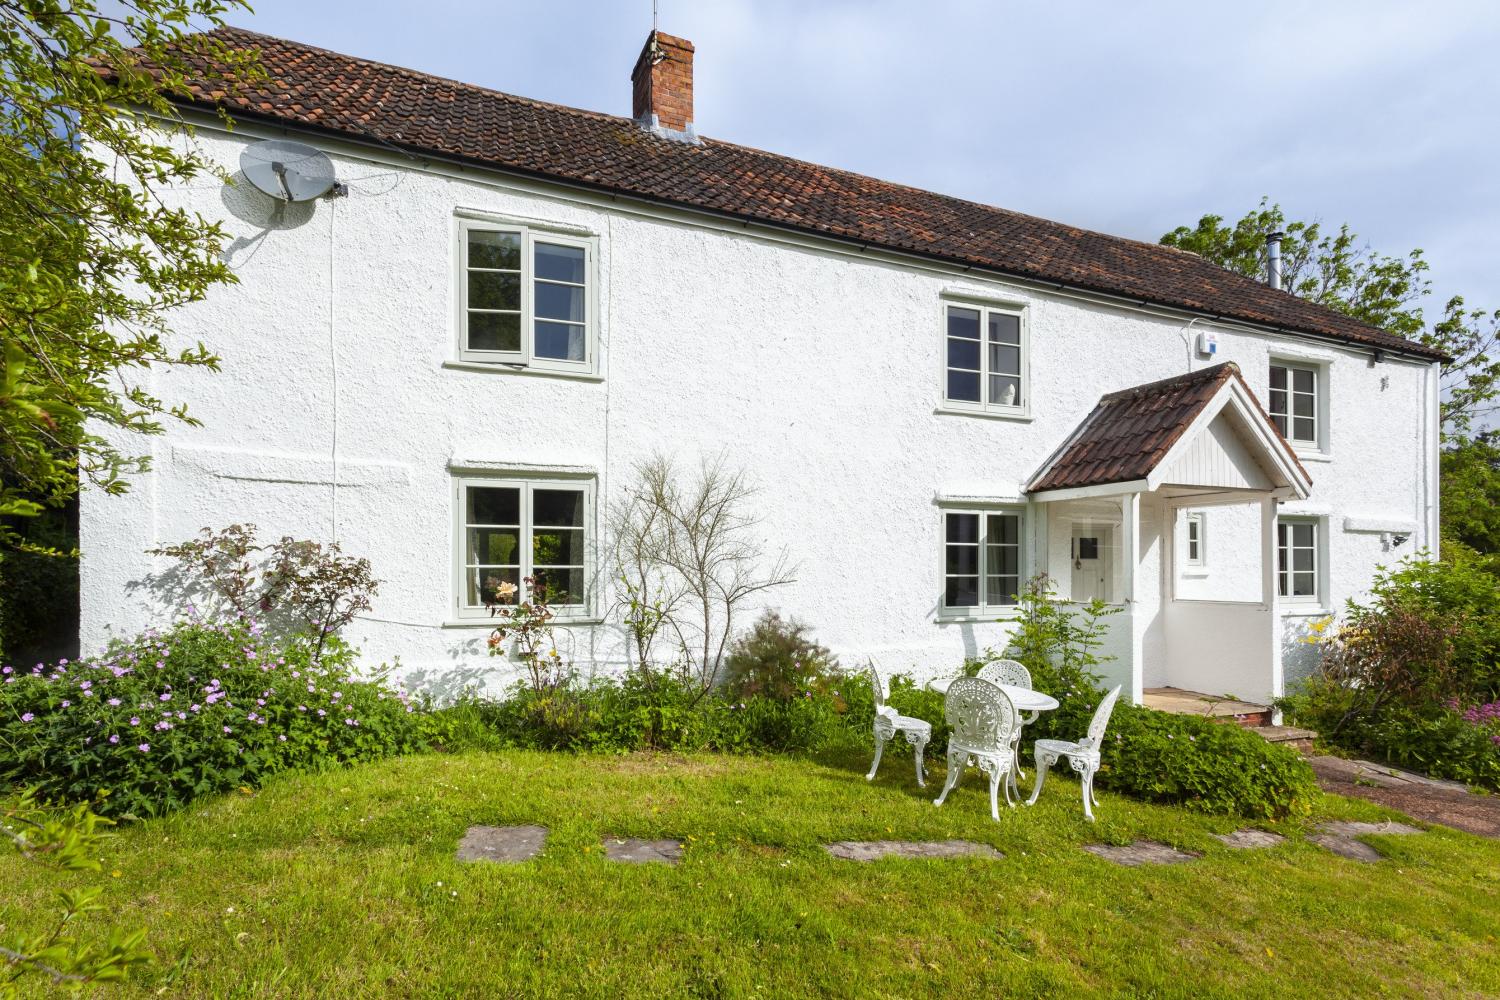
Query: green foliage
{"points": [[1338, 270], [92, 261], [1059, 643], [778, 660], [159, 721], [1212, 767], [1470, 500], [65, 839], [39, 588]]}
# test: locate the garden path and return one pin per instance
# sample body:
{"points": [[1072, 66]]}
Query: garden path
{"points": [[1423, 798]]}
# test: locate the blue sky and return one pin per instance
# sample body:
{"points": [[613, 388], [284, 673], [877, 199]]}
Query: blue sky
{"points": [[1129, 118]]}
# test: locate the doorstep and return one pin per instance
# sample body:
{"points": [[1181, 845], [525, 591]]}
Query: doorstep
{"points": [[1183, 702]]}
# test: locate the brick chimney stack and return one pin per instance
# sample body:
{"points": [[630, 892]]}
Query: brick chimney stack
{"points": [[662, 83]]}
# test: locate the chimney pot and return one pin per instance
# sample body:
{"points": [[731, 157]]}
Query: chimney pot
{"points": [[662, 85]]}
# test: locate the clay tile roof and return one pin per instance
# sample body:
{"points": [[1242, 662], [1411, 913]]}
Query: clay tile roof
{"points": [[312, 88], [1130, 431]]}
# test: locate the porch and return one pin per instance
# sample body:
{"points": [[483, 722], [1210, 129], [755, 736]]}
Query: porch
{"points": [[1163, 502]]}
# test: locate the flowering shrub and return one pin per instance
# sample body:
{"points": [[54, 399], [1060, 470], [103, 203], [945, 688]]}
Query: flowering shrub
{"points": [[776, 658], [158, 721], [527, 624]]}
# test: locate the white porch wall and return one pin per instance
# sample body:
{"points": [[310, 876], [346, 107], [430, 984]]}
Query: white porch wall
{"points": [[1233, 546], [816, 369]]}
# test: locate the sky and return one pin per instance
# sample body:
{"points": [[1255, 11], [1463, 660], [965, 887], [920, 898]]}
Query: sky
{"points": [[1129, 118]]}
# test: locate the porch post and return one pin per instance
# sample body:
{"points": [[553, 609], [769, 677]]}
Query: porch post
{"points": [[1269, 598], [1130, 530]]}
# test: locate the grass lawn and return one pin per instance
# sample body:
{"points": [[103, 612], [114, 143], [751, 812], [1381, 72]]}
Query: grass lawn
{"points": [[344, 885]]}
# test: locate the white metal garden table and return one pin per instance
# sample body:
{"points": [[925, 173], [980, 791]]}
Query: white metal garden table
{"points": [[1025, 699]]}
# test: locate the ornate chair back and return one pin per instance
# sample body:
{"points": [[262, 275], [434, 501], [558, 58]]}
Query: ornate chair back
{"points": [[1006, 672], [1100, 721], [877, 687], [982, 715]]}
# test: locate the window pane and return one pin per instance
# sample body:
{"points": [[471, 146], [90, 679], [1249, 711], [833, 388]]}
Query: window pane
{"points": [[963, 559], [1302, 379], [962, 592], [1005, 329], [561, 341], [1281, 534], [1303, 430], [1004, 528], [1302, 560], [1302, 406], [557, 508], [1278, 378], [563, 585], [1302, 536], [1278, 401], [494, 505], [481, 583], [557, 547], [1005, 390], [494, 331], [559, 302], [963, 386], [963, 354], [559, 263], [963, 323], [1280, 421], [963, 527], [1304, 585], [502, 250], [1002, 590], [1005, 360], [494, 290], [494, 547]]}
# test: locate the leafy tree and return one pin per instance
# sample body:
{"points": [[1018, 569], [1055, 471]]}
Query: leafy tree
{"points": [[92, 258], [1338, 270], [1471, 495]]}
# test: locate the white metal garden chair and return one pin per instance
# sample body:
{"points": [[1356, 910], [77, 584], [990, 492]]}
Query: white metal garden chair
{"points": [[1083, 755], [983, 719], [889, 722], [1014, 673]]}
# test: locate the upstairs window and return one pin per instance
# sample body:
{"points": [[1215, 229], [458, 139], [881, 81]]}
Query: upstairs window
{"points": [[526, 298], [1294, 402], [981, 561], [986, 359], [511, 529]]}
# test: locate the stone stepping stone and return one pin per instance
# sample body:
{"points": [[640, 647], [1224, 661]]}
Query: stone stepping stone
{"points": [[1245, 839], [1338, 836], [1140, 852], [633, 851], [870, 850], [505, 844]]}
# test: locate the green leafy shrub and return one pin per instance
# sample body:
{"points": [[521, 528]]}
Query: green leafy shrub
{"points": [[155, 722], [1213, 767], [1059, 645], [776, 659]]}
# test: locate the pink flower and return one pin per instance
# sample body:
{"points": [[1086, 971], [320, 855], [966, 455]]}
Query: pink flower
{"points": [[27, 717], [66, 703], [114, 701], [114, 739], [135, 720], [144, 748]]}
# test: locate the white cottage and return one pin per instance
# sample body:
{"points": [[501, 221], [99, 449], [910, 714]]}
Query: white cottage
{"points": [[507, 304]]}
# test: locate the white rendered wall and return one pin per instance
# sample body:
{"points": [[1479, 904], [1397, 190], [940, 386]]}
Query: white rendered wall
{"points": [[814, 369]]}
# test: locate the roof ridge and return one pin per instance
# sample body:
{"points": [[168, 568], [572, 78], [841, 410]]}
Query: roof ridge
{"points": [[1222, 371]]}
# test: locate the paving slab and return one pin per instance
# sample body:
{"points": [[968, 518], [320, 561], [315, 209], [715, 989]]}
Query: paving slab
{"points": [[1338, 837], [1245, 839], [634, 851], [1345, 828], [870, 850], [1140, 852], [506, 844]]}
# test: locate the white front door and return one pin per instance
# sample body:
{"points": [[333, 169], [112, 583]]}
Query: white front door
{"points": [[1091, 567]]}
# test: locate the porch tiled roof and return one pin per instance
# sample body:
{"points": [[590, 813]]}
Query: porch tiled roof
{"points": [[312, 88], [1129, 432]]}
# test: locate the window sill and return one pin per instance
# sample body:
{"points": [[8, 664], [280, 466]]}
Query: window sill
{"points": [[1312, 455], [1197, 574], [491, 623], [496, 367], [1009, 614], [1019, 416], [1303, 611]]}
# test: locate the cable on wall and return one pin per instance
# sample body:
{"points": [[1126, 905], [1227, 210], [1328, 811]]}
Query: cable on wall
{"points": [[333, 368]]}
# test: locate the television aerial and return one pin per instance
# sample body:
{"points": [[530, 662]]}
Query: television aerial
{"points": [[289, 171]]}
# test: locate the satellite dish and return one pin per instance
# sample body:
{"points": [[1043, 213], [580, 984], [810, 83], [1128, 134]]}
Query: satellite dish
{"points": [[290, 171]]}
